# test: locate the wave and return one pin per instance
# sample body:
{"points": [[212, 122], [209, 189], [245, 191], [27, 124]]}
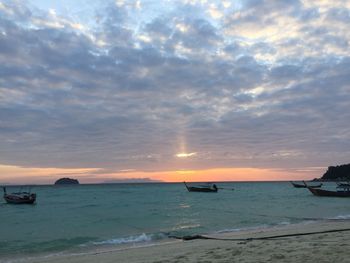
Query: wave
{"points": [[340, 217], [183, 227], [143, 238], [257, 227], [230, 230]]}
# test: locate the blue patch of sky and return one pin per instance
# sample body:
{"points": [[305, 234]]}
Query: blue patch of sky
{"points": [[84, 11], [80, 11]]}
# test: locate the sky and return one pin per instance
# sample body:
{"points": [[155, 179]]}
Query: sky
{"points": [[191, 90]]}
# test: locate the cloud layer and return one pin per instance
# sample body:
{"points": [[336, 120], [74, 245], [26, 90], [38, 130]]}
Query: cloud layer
{"points": [[241, 84]]}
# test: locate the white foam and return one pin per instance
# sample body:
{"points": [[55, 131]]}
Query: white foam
{"points": [[229, 230], [342, 217], [126, 240], [284, 223]]}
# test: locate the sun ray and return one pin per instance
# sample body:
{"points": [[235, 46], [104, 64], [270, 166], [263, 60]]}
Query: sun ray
{"points": [[185, 155]]}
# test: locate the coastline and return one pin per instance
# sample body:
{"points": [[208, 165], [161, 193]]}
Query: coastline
{"points": [[322, 247]]}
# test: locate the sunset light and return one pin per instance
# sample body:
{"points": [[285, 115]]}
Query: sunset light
{"points": [[186, 155]]}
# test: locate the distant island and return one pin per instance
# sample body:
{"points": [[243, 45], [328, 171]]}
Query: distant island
{"points": [[66, 181], [337, 173]]}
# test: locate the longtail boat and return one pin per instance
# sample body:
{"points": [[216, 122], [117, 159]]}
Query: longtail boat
{"points": [[343, 190], [343, 185], [305, 186], [321, 192], [19, 197], [209, 188]]}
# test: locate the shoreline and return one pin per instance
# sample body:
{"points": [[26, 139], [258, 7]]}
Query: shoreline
{"points": [[288, 249]]}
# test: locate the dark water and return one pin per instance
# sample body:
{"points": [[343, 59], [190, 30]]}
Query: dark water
{"points": [[80, 217]]}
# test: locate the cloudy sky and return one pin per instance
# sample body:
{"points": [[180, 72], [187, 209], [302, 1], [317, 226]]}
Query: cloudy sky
{"points": [[173, 90]]}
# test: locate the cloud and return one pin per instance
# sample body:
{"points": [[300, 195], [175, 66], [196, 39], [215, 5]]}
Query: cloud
{"points": [[250, 86]]}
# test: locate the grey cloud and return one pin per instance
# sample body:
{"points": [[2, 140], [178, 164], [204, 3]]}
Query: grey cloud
{"points": [[264, 48], [263, 12], [14, 9], [338, 15], [308, 14], [264, 5], [200, 34], [67, 102], [288, 72]]}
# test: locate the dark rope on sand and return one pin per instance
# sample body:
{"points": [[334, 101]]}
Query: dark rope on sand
{"points": [[192, 237]]}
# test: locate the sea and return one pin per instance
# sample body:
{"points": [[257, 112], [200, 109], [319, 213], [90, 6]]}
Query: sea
{"points": [[83, 218]]}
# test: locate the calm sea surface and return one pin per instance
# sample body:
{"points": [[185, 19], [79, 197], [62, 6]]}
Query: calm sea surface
{"points": [[70, 219]]}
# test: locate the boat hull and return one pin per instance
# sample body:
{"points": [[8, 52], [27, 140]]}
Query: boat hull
{"points": [[321, 192], [11, 199], [299, 186], [201, 189], [306, 186]]}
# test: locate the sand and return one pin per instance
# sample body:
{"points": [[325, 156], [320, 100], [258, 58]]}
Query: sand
{"points": [[326, 247]]}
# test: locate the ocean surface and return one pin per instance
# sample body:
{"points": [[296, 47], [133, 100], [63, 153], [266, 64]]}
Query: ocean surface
{"points": [[78, 219]]}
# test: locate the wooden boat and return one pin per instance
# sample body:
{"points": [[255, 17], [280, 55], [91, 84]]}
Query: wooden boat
{"points": [[305, 186], [19, 197], [321, 192], [209, 188], [343, 185]]}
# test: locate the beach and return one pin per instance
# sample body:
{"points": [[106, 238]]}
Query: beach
{"points": [[322, 247]]}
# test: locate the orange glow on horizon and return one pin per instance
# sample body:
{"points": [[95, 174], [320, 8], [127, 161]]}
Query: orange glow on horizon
{"points": [[21, 175], [231, 174]]}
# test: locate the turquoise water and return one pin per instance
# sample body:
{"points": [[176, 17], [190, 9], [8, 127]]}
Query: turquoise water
{"points": [[78, 218]]}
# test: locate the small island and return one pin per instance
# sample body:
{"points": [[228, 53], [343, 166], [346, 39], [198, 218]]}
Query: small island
{"points": [[66, 181], [337, 173]]}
